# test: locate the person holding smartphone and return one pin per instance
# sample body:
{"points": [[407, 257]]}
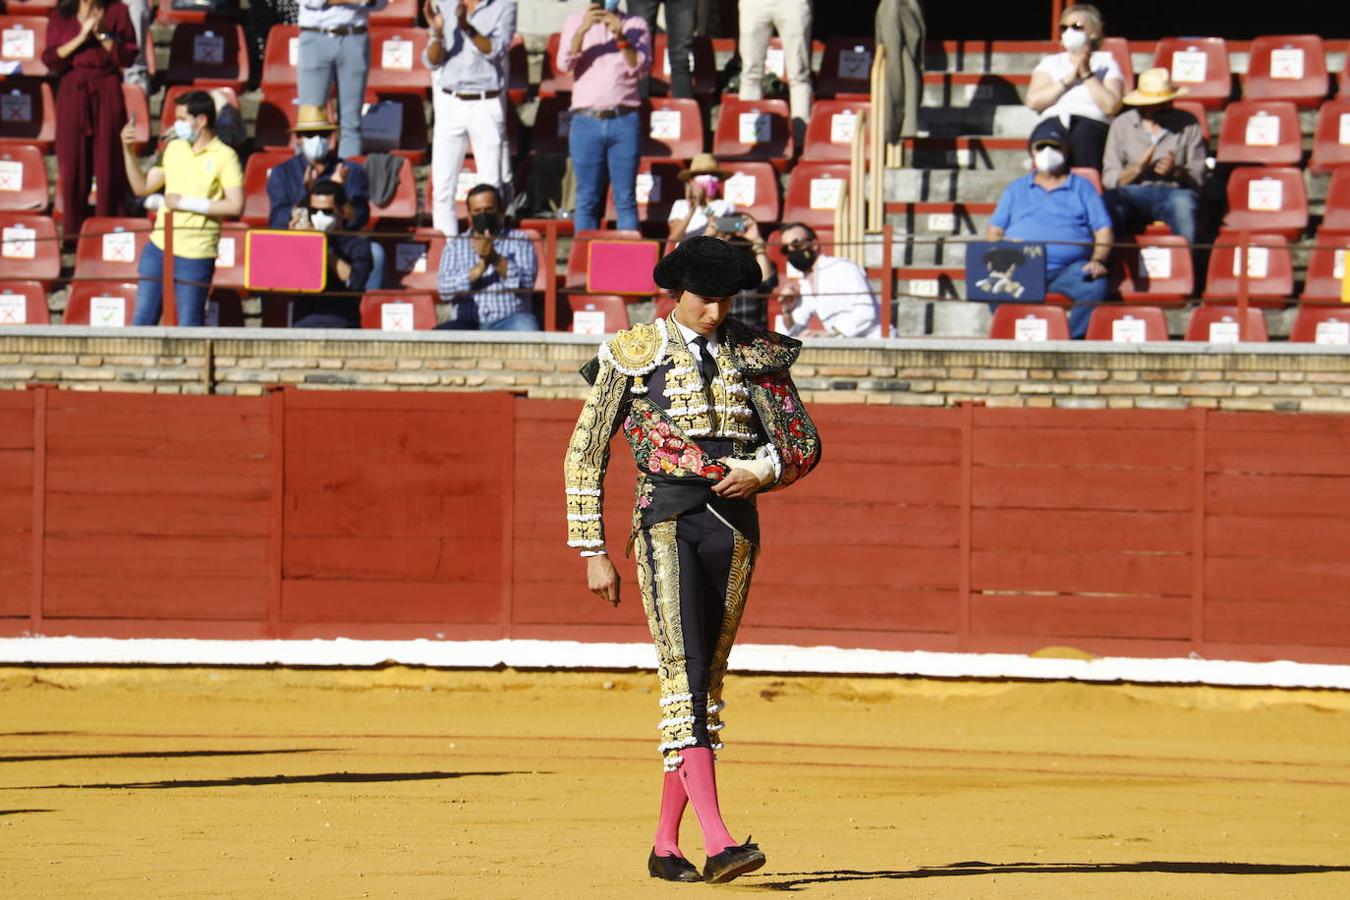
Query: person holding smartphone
{"points": [[703, 201]]}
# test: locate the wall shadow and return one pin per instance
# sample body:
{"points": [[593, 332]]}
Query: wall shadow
{"points": [[799, 880], [262, 780], [20, 812], [156, 754]]}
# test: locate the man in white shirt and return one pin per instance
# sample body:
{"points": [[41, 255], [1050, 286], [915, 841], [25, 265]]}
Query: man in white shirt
{"points": [[835, 290], [335, 44]]}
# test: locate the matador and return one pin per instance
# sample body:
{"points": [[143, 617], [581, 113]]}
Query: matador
{"points": [[713, 419]]}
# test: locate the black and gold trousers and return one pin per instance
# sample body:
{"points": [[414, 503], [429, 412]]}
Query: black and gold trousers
{"points": [[694, 573]]}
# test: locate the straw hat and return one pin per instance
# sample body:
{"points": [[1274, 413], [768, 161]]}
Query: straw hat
{"points": [[703, 164], [1155, 86], [312, 120]]}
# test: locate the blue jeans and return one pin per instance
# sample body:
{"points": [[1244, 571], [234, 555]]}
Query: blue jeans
{"points": [[376, 279], [189, 298], [1134, 206], [598, 144], [521, 321], [1086, 293], [324, 58]]}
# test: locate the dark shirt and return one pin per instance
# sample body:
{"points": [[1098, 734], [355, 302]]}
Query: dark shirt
{"points": [[753, 306], [286, 188], [323, 310]]}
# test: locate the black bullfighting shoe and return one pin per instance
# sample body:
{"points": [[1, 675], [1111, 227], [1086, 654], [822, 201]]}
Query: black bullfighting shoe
{"points": [[672, 868], [732, 863]]}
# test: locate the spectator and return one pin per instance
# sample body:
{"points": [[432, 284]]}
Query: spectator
{"points": [[680, 16], [316, 161], [835, 290], [349, 262], [900, 29], [607, 55], [335, 44], [1081, 86], [1056, 207], [202, 184], [488, 275], [702, 202], [468, 60], [752, 305], [792, 20], [1155, 160], [88, 43]]}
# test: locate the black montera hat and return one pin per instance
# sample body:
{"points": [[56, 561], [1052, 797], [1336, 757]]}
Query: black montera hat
{"points": [[708, 267]]}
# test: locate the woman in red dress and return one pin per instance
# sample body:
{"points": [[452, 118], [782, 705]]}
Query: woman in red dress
{"points": [[88, 44]]}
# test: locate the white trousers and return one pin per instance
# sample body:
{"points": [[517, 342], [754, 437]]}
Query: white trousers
{"points": [[460, 125], [792, 20]]}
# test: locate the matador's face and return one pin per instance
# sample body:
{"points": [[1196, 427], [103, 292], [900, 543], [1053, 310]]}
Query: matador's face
{"points": [[702, 314]]}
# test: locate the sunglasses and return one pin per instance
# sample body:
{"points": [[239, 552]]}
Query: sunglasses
{"points": [[799, 244], [1076, 26], [315, 209]]}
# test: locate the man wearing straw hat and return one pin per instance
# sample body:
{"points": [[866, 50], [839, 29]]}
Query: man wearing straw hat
{"points": [[1154, 164], [702, 202]]}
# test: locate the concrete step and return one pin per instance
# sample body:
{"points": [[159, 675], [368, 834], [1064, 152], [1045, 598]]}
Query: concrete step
{"points": [[947, 185], [999, 121]]}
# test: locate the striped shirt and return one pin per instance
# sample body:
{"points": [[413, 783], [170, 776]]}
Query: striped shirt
{"points": [[491, 297]]}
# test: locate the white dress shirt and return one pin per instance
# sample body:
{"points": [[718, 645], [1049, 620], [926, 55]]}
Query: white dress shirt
{"points": [[838, 292]]}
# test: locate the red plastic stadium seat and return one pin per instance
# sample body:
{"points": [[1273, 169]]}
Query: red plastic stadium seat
{"points": [[1326, 267], [553, 81], [230, 257], [209, 54], [24, 39], [1092, 175], [392, 311], [139, 107], [415, 141], [281, 56], [398, 12], [23, 303], [552, 124], [755, 189], [413, 259], [102, 304], [846, 68], [517, 71], [1290, 67], [167, 113], [276, 116], [109, 248], [1029, 322], [814, 192], [28, 247], [403, 205], [27, 113], [1219, 325], [1331, 136], [1261, 131], [1157, 271], [658, 187], [167, 15], [1127, 324], [1270, 271], [1337, 216], [1119, 48], [396, 61], [1321, 325], [753, 129], [673, 127], [1196, 109], [1267, 199], [256, 205], [1198, 64], [830, 130], [598, 313], [704, 68], [23, 179], [576, 261]]}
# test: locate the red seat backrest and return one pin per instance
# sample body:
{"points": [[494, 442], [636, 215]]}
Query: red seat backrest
{"points": [[25, 37], [1198, 64], [846, 68], [1260, 131], [398, 311], [553, 80], [1323, 281], [1197, 109], [396, 60], [755, 189], [398, 12], [1337, 216], [607, 312], [23, 179], [1008, 316], [1204, 319], [1272, 199], [103, 304], [1127, 324], [231, 256], [658, 187], [28, 247], [673, 128], [517, 70], [403, 205], [1287, 67], [1270, 271], [1092, 175], [413, 259], [1321, 325], [208, 54], [29, 113], [704, 69], [753, 129], [257, 206], [1331, 135], [23, 303], [110, 248], [281, 56], [1119, 48], [1158, 269], [830, 130], [814, 192]]}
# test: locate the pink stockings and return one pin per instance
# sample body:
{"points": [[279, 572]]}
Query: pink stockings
{"points": [[696, 780]]}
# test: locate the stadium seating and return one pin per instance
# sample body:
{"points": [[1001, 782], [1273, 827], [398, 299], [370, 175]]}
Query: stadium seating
{"points": [[138, 107], [1290, 67], [598, 313], [830, 130], [165, 14], [23, 179], [815, 190], [415, 141], [256, 170], [402, 207], [753, 129], [1200, 65], [29, 248], [27, 113], [517, 71], [1127, 325], [704, 67], [1331, 136], [396, 61], [1337, 216], [755, 189], [553, 81], [1270, 272], [1261, 131], [23, 303], [398, 13], [277, 110], [1029, 322], [1219, 325], [1157, 271], [1267, 199], [102, 304], [209, 54], [109, 248], [552, 123], [658, 187], [230, 257], [673, 128], [24, 39], [398, 311], [1326, 267], [281, 54], [846, 69], [576, 260], [413, 259], [1091, 174], [1196, 109], [1119, 48], [1321, 325]]}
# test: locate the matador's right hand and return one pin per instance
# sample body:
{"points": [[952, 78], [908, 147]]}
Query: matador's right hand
{"points": [[602, 578]]}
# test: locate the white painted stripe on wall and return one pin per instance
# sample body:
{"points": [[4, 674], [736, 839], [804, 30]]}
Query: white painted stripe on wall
{"points": [[767, 658]]}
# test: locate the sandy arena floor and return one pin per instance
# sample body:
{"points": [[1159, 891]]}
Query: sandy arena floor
{"points": [[413, 783]]}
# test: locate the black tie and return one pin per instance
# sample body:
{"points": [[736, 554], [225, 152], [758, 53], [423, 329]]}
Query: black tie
{"points": [[706, 365]]}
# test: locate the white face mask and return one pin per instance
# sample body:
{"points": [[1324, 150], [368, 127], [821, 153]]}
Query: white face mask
{"points": [[322, 221], [314, 147], [1072, 39], [1049, 160], [182, 129]]}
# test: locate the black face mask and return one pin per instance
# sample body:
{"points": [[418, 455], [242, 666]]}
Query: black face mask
{"points": [[485, 223], [802, 260]]}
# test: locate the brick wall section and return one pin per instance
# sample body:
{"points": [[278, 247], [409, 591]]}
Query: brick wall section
{"points": [[924, 372]]}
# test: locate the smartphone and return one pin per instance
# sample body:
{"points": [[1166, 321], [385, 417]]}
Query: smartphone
{"points": [[733, 224]]}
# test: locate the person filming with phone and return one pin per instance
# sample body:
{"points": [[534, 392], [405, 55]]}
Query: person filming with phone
{"points": [[702, 201]]}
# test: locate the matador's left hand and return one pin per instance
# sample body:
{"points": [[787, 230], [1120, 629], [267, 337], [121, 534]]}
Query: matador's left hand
{"points": [[738, 485]]}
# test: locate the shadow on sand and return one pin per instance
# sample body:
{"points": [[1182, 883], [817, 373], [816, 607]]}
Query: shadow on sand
{"points": [[263, 780], [155, 754]]}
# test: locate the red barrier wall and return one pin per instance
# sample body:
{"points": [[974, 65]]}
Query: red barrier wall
{"points": [[379, 515]]}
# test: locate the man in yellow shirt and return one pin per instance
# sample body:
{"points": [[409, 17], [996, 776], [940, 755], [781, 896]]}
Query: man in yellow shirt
{"points": [[202, 184]]}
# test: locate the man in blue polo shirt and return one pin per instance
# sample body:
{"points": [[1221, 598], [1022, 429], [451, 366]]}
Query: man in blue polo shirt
{"points": [[1061, 210]]}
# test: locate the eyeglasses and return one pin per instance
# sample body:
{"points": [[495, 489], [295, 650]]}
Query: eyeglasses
{"points": [[799, 244], [1076, 26]]}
